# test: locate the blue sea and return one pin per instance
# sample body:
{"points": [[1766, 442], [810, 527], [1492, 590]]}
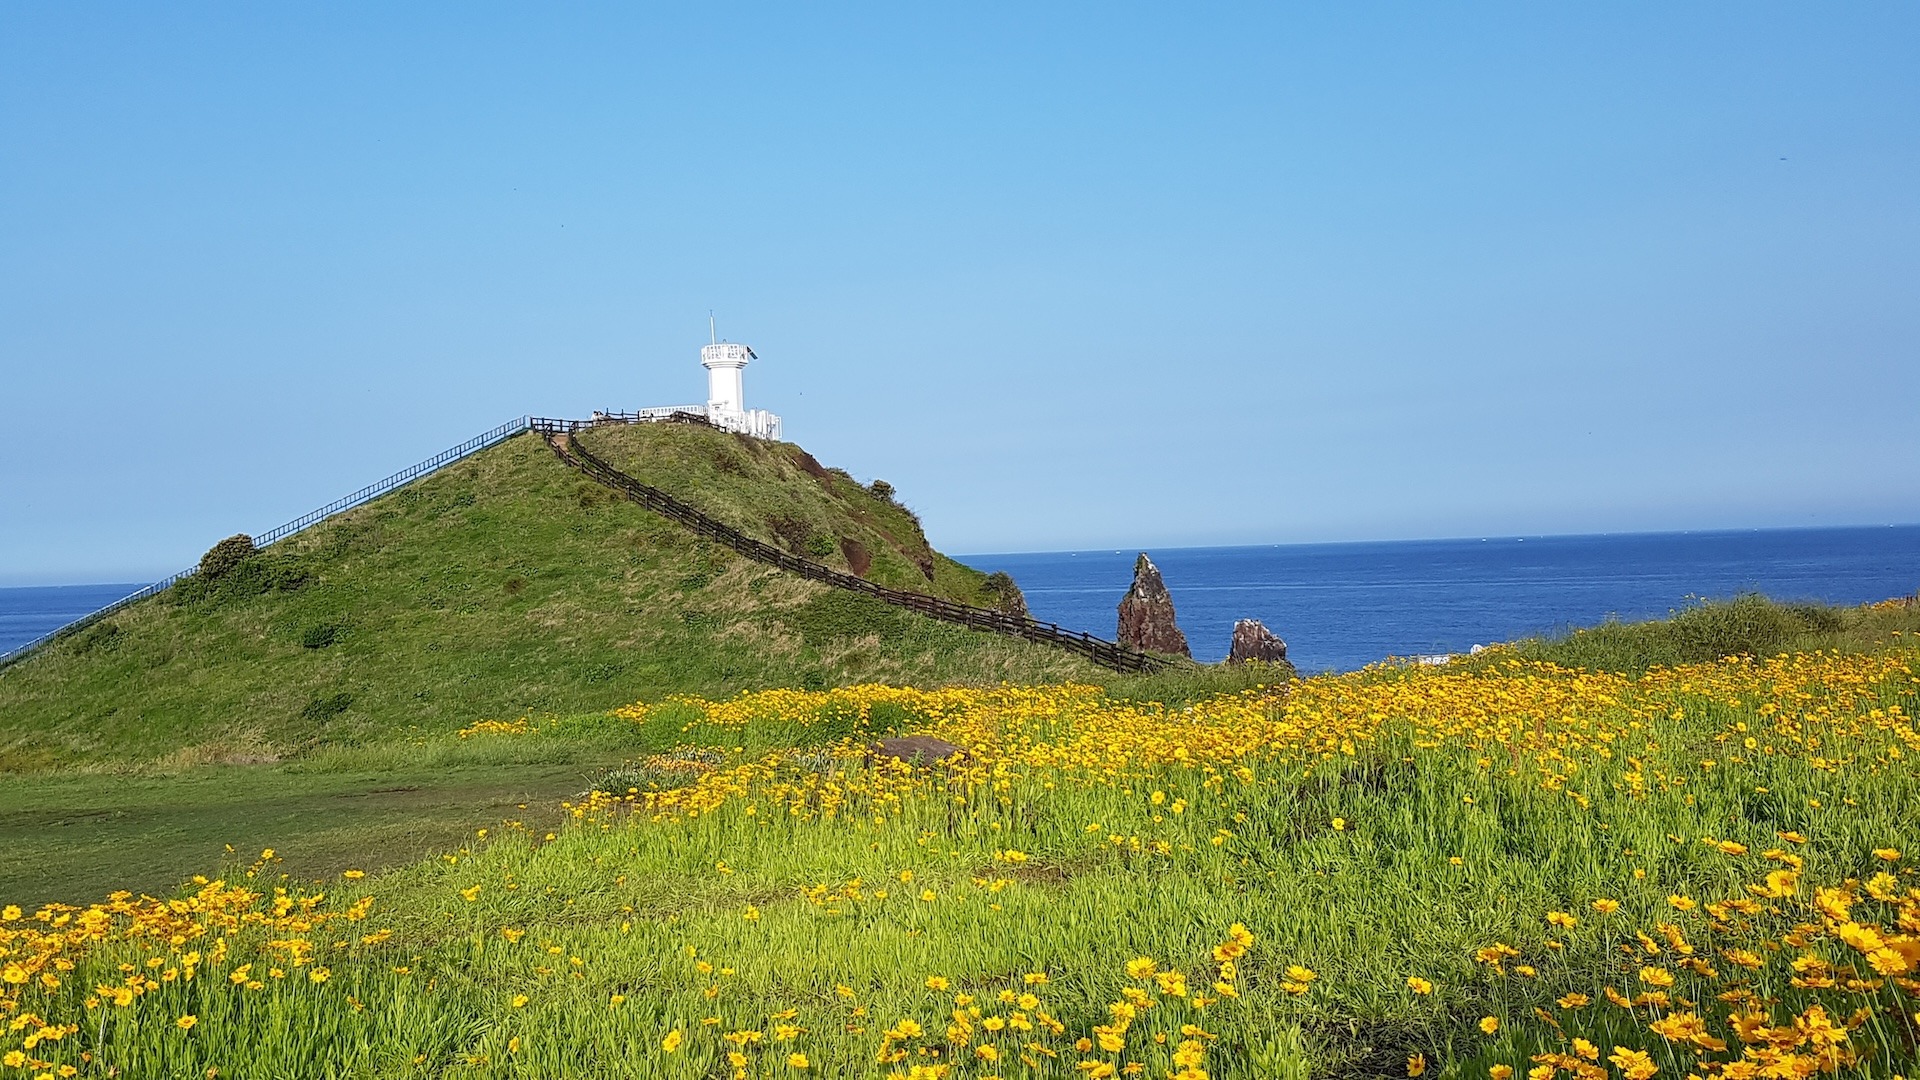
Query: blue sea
{"points": [[26, 614], [1343, 606]]}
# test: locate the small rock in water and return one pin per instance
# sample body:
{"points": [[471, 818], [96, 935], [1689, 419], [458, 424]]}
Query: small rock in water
{"points": [[916, 750], [1146, 613], [1253, 641]]}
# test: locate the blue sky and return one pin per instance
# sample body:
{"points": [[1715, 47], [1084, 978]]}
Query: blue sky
{"points": [[1067, 275]]}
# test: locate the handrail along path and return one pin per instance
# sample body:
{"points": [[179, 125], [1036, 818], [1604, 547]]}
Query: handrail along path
{"points": [[307, 520]]}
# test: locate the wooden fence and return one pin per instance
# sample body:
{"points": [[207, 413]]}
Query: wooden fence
{"points": [[558, 434]]}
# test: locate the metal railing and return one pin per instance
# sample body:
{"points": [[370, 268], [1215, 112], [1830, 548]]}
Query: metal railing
{"points": [[372, 491], [313, 517], [1105, 653]]}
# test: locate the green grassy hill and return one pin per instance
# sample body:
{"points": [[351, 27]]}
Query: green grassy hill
{"points": [[504, 585], [778, 493]]}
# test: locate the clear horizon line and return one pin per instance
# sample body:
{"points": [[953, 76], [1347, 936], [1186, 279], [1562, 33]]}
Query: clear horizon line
{"points": [[1467, 537]]}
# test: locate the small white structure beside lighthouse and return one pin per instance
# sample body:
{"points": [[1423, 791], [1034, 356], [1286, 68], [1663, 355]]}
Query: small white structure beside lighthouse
{"points": [[726, 406]]}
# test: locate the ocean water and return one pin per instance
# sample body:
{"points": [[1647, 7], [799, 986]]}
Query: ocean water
{"points": [[27, 613], [1343, 606]]}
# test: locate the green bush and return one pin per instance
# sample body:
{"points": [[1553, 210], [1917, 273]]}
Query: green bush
{"points": [[224, 557], [322, 709], [100, 637], [1747, 625], [235, 570], [320, 635]]}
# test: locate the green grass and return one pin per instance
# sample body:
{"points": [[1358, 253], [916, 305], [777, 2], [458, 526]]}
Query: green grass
{"points": [[1749, 625], [778, 493], [504, 585], [1364, 903]]}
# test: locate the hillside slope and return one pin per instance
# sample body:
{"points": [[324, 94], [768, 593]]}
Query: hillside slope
{"points": [[506, 584], [778, 493]]}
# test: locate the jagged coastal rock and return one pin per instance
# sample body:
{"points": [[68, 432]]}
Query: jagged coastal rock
{"points": [[1253, 641], [1146, 613]]}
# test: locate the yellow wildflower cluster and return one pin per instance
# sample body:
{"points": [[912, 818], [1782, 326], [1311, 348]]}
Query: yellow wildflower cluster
{"points": [[1557, 721], [1154, 1026], [1784, 942], [522, 726], [1780, 979], [248, 936]]}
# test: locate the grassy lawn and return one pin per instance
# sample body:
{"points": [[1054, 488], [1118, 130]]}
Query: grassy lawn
{"points": [[1470, 871], [73, 837]]}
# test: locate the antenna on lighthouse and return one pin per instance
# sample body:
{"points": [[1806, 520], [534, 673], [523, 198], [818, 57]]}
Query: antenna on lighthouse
{"points": [[713, 335]]}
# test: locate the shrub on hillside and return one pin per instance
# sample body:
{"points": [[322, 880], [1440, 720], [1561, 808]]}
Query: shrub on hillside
{"points": [[226, 556], [1747, 625], [1003, 594], [100, 637], [322, 709], [321, 635], [234, 569]]}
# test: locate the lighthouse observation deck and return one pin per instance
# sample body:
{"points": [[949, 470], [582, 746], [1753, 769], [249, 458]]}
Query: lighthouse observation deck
{"points": [[726, 406]]}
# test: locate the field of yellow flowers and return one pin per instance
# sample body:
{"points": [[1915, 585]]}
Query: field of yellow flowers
{"points": [[1484, 871]]}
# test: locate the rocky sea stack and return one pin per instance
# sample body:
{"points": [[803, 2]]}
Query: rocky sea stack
{"points": [[1146, 613], [1253, 641]]}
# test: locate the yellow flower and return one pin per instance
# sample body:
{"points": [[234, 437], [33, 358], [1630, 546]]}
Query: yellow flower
{"points": [[319, 975], [1561, 919], [1489, 1024], [1416, 1064], [937, 982], [1419, 985], [1500, 1072], [673, 1040], [186, 1022], [470, 895], [797, 1061], [1605, 906], [928, 895], [1141, 968], [519, 1001], [1887, 853], [353, 875], [1301, 974], [1633, 1064]]}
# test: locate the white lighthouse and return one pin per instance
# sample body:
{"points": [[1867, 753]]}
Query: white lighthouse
{"points": [[725, 362], [726, 406]]}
